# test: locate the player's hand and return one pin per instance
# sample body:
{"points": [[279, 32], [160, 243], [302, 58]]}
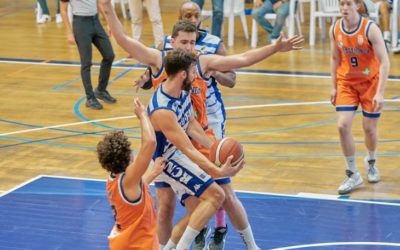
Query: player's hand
{"points": [[227, 169], [377, 102], [333, 96], [139, 108], [159, 165], [294, 43], [139, 83], [71, 38]]}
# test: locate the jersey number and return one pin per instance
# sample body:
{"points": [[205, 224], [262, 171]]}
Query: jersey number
{"points": [[115, 216], [354, 61]]}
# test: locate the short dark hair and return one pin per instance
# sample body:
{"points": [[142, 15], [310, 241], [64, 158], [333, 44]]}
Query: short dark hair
{"points": [[114, 152], [178, 60], [184, 26]]}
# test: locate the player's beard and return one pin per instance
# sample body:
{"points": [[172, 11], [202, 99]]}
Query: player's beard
{"points": [[187, 84]]}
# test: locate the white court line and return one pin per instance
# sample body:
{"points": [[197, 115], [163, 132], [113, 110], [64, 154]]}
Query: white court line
{"points": [[240, 191], [340, 244], [132, 116], [21, 185], [242, 72]]}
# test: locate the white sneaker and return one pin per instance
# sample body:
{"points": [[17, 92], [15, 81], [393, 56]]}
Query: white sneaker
{"points": [[373, 171], [58, 18], [44, 18], [353, 180]]}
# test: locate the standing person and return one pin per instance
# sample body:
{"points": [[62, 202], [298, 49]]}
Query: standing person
{"points": [[127, 189], [360, 66], [86, 30], [183, 37], [279, 7], [153, 10], [45, 14], [217, 15]]}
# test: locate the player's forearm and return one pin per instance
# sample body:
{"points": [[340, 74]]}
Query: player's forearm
{"points": [[196, 132], [334, 65], [383, 75], [115, 25], [227, 79], [201, 161]]}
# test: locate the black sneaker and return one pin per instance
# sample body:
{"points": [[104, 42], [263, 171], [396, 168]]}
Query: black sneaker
{"points": [[104, 96], [93, 103], [218, 239], [201, 239]]}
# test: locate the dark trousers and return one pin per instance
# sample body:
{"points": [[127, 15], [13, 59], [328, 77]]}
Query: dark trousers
{"points": [[88, 30]]}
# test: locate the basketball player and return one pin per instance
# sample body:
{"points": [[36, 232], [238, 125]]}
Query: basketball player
{"points": [[127, 190], [360, 66], [185, 38]]}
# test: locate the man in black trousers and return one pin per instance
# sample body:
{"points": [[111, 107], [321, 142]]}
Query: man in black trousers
{"points": [[86, 29]]}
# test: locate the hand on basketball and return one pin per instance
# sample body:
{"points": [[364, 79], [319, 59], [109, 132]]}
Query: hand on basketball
{"points": [[227, 169], [139, 108], [333, 96], [377, 102], [294, 43]]}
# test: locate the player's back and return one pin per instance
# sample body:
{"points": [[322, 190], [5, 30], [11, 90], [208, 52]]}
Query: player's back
{"points": [[135, 221]]}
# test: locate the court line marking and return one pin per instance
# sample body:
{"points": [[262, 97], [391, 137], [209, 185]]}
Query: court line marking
{"points": [[20, 185], [361, 243], [132, 116], [241, 191], [138, 66]]}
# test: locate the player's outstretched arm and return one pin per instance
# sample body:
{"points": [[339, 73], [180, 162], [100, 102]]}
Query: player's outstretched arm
{"points": [[226, 63], [135, 171], [136, 49], [228, 78]]}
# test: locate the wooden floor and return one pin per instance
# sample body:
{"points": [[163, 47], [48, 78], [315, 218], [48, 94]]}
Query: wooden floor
{"points": [[290, 147]]}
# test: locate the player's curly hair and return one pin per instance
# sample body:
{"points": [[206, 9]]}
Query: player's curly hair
{"points": [[114, 152]]}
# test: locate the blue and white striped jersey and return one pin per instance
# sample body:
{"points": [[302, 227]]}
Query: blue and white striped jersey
{"points": [[205, 44], [182, 108]]}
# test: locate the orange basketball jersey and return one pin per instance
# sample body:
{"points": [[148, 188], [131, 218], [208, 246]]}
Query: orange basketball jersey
{"points": [[135, 221], [358, 62]]}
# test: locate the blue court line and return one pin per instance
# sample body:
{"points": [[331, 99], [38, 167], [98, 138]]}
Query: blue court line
{"points": [[282, 72], [308, 142], [248, 156], [267, 131], [48, 143], [316, 156], [82, 117]]}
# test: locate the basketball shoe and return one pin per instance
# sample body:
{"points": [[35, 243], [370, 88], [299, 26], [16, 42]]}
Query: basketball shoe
{"points": [[352, 181], [373, 171]]}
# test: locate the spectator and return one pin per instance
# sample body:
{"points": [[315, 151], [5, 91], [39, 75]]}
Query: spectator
{"points": [[44, 14], [153, 10], [217, 15], [279, 7]]}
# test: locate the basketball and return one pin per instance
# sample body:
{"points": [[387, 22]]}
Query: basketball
{"points": [[222, 149]]}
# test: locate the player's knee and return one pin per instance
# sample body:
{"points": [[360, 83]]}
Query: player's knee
{"points": [[216, 195], [165, 213], [344, 127], [369, 131]]}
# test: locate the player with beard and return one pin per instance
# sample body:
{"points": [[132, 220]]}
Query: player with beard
{"points": [[185, 39]]}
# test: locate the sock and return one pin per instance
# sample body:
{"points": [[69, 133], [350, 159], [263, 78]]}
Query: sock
{"points": [[161, 246], [169, 246], [248, 238], [371, 155], [386, 35], [220, 218], [187, 238], [351, 163]]}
